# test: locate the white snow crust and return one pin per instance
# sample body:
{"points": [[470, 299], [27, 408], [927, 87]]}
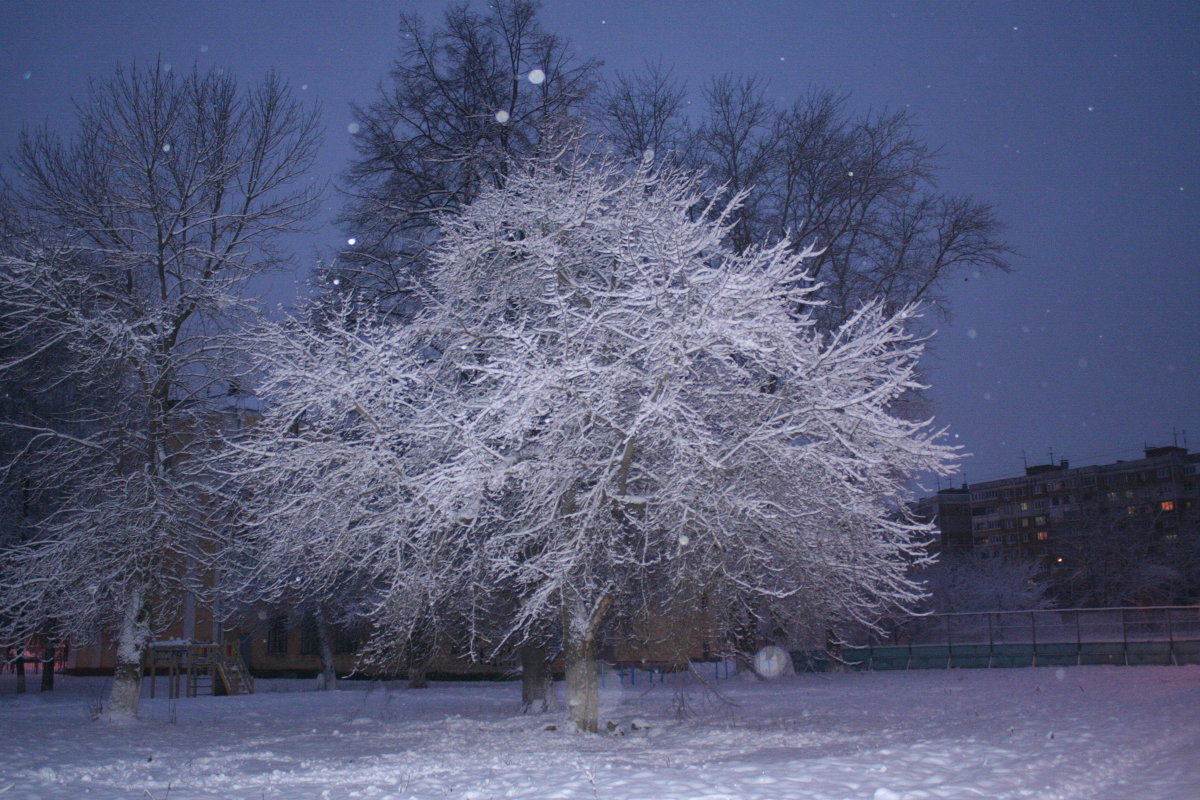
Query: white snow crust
{"points": [[1101, 733]]}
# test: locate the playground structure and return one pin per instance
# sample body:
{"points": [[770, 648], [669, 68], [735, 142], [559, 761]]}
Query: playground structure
{"points": [[196, 668]]}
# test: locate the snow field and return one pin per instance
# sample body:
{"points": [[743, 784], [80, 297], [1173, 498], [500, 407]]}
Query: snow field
{"points": [[1095, 733]]}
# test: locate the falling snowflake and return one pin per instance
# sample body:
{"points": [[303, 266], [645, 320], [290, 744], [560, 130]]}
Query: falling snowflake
{"points": [[166, 148], [352, 241], [353, 127], [537, 76], [502, 116]]}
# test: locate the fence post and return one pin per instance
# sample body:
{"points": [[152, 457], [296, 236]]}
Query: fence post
{"points": [[1079, 641], [1124, 639], [991, 641], [949, 643], [1171, 638], [1033, 634]]}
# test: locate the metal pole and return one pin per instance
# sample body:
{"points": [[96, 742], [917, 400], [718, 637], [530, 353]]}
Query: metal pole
{"points": [[1124, 639], [1033, 634], [991, 642], [1079, 641], [1171, 639]]}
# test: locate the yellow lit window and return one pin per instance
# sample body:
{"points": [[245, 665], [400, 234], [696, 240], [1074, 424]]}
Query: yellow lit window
{"points": [[1167, 505]]}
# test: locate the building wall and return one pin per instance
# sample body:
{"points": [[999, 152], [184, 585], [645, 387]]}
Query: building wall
{"points": [[1048, 512]]}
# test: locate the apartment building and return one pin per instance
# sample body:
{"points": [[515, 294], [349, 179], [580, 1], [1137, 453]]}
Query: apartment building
{"points": [[1049, 510]]}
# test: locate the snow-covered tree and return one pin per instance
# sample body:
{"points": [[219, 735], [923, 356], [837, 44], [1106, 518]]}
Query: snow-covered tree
{"points": [[139, 233], [968, 582], [601, 404]]}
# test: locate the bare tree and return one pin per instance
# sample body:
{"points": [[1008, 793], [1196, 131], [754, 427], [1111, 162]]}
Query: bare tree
{"points": [[461, 102], [641, 114], [143, 228], [859, 188]]}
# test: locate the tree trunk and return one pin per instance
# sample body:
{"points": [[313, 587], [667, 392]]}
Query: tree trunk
{"points": [[47, 668], [581, 628], [535, 679], [19, 668], [419, 653], [328, 677], [833, 648], [416, 672], [745, 645], [126, 691]]}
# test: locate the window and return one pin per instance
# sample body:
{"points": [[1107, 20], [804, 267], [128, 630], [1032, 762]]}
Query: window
{"points": [[277, 638], [1024, 522], [309, 643], [1024, 506], [347, 640], [1167, 505], [1038, 489], [1163, 473], [1043, 535], [1040, 520]]}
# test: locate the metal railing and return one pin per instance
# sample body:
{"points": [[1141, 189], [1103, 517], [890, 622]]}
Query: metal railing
{"points": [[1053, 637]]}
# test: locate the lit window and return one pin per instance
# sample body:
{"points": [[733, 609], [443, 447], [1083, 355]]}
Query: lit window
{"points": [[1043, 535], [1167, 505]]}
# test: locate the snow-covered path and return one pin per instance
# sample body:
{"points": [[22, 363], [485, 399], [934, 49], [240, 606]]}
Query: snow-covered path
{"points": [[1087, 732]]}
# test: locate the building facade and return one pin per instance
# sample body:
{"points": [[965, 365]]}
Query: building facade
{"points": [[1065, 516]]}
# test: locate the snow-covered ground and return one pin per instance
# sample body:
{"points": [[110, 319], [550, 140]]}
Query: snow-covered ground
{"points": [[1125, 733]]}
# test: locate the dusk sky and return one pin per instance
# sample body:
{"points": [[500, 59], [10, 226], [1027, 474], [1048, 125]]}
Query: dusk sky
{"points": [[1080, 122]]}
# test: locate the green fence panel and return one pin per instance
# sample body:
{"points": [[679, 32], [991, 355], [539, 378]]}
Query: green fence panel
{"points": [[1186, 652]]}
